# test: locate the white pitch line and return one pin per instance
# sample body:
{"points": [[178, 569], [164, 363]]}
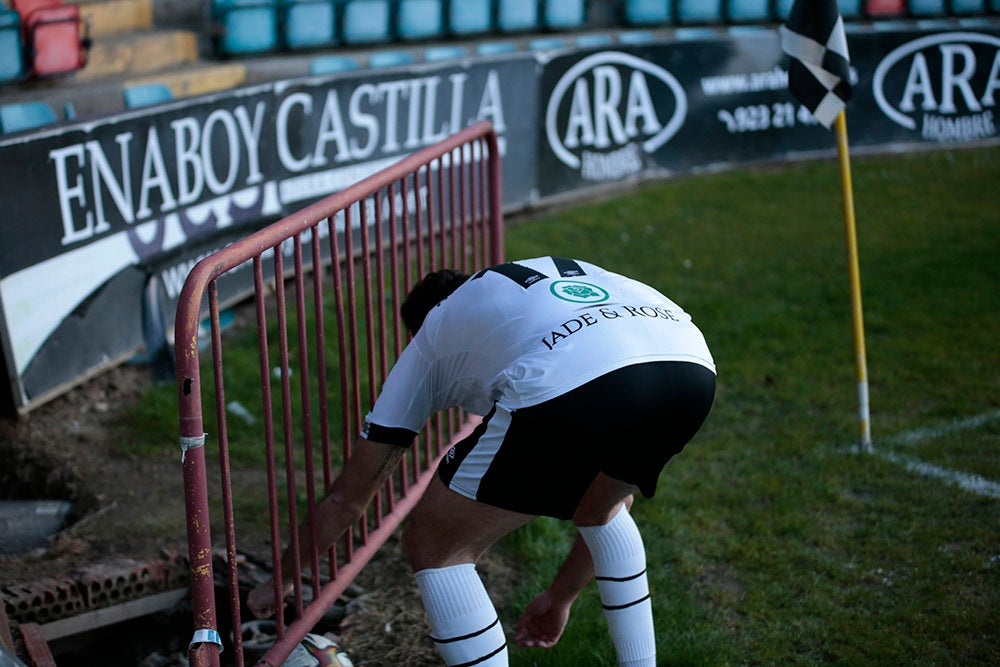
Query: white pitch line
{"points": [[919, 434], [968, 481], [964, 480]]}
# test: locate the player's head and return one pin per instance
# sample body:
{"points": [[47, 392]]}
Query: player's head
{"points": [[429, 292]]}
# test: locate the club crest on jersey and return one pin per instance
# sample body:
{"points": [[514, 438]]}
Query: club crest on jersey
{"points": [[578, 292]]}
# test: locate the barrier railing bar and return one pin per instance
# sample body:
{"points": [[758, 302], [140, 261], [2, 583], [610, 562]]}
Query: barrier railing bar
{"points": [[318, 315], [267, 409], [338, 295], [306, 409]]}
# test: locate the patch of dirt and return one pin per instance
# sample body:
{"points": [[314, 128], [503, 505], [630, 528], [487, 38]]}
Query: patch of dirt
{"points": [[128, 506]]}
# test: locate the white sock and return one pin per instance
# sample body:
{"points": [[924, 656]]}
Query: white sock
{"points": [[464, 624], [620, 568]]}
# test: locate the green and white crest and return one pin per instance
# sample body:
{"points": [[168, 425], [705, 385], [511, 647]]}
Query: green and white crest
{"points": [[578, 291]]}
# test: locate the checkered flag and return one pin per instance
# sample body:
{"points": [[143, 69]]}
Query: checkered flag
{"points": [[819, 74]]}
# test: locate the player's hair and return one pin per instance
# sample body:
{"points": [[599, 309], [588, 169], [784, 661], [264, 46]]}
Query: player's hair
{"points": [[427, 293]]}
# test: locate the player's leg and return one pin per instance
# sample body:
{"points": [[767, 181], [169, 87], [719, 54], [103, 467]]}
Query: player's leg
{"points": [[445, 536], [619, 559]]}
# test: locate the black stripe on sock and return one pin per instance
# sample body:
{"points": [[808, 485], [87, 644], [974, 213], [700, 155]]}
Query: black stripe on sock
{"points": [[625, 606], [449, 640], [629, 578], [482, 658]]}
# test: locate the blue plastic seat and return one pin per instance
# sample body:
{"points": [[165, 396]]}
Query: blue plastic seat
{"points": [[966, 7], [309, 23], [146, 94], [517, 15], [248, 26], [390, 58], [419, 19], [850, 9], [782, 9], [926, 7], [635, 37], [647, 12], [593, 40], [564, 14], [435, 53], [700, 32], [367, 22], [495, 48], [331, 64], [470, 17], [546, 43], [18, 116], [699, 11], [11, 48], [748, 11]]}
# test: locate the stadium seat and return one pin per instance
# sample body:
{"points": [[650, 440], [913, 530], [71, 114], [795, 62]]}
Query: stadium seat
{"points": [[146, 94], [927, 7], [699, 11], [331, 64], [700, 32], [247, 26], [517, 15], [546, 43], [309, 24], [850, 9], [635, 37], [435, 53], [748, 11], [18, 116], [647, 12], [11, 50], [390, 58], [54, 35], [367, 22], [782, 9], [966, 7], [594, 40], [495, 48], [419, 19], [564, 14], [883, 8], [469, 17]]}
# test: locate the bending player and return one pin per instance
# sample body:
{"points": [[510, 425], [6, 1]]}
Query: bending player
{"points": [[590, 383]]}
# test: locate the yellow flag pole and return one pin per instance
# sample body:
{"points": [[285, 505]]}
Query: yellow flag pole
{"points": [[857, 319]]}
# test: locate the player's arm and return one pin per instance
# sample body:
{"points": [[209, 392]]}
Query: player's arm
{"points": [[364, 473], [545, 617]]}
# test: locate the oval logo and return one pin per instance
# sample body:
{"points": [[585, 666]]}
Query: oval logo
{"points": [[578, 291], [943, 85], [602, 109]]}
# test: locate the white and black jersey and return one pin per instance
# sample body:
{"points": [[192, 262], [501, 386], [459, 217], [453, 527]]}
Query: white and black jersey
{"points": [[522, 333]]}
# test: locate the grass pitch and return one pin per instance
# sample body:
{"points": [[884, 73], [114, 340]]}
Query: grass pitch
{"points": [[770, 540]]}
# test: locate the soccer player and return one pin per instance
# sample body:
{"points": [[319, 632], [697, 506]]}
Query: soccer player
{"points": [[589, 382]]}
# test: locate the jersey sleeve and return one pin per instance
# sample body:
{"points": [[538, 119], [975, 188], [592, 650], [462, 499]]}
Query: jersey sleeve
{"points": [[405, 402]]}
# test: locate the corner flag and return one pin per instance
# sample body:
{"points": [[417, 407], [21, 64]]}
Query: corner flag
{"points": [[819, 74]]}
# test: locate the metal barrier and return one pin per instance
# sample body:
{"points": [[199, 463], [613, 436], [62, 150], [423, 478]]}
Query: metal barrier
{"points": [[439, 207]]}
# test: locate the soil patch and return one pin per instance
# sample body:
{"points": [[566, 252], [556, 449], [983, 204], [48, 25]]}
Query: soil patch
{"points": [[128, 506]]}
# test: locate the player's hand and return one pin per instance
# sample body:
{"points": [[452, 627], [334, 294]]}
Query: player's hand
{"points": [[543, 621], [260, 600]]}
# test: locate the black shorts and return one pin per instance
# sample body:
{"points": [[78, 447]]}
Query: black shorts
{"points": [[541, 459]]}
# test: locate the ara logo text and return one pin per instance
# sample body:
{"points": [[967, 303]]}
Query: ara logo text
{"points": [[944, 86], [608, 110]]}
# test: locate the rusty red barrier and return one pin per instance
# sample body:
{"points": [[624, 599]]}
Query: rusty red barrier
{"points": [[354, 253]]}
